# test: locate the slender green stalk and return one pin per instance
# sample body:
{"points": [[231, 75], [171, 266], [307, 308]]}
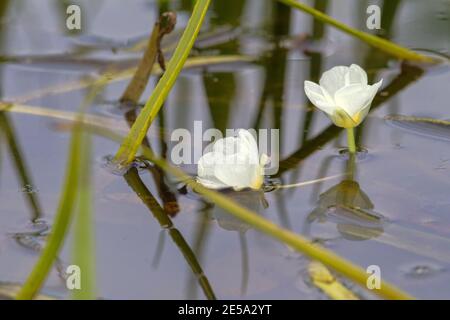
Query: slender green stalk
{"points": [[290, 238], [379, 43], [131, 143], [65, 208], [351, 140], [287, 237], [60, 224], [83, 242]]}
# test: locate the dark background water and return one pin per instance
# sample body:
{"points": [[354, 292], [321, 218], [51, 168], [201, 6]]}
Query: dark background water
{"points": [[403, 175]]}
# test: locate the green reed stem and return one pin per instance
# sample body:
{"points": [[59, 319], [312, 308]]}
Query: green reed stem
{"points": [[133, 140], [379, 43], [292, 239], [83, 241], [351, 140], [61, 223], [66, 206]]}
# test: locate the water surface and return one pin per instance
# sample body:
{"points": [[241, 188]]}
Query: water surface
{"points": [[402, 178]]}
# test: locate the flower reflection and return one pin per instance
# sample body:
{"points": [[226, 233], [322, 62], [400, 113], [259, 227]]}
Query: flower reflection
{"points": [[349, 207], [253, 200]]}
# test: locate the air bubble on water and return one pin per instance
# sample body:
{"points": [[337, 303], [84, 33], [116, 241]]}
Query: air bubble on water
{"points": [[361, 154], [28, 188], [111, 165], [37, 227], [421, 270], [270, 184], [115, 109]]}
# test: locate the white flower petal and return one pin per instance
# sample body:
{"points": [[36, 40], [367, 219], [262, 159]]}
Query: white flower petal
{"points": [[227, 145], [319, 97], [264, 159], [334, 79], [212, 183], [356, 75], [355, 97], [234, 162], [237, 176], [377, 86], [365, 110], [206, 164], [205, 172], [248, 146]]}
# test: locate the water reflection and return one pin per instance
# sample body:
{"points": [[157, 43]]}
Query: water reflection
{"points": [[7, 129], [253, 200], [134, 181], [348, 207], [220, 95]]}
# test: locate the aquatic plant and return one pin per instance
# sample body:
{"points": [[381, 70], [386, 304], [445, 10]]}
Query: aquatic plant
{"points": [[346, 109], [71, 195], [132, 142], [377, 42], [233, 162], [290, 238], [344, 96]]}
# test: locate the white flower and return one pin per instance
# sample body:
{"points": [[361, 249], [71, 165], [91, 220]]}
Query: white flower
{"points": [[343, 94], [234, 162]]}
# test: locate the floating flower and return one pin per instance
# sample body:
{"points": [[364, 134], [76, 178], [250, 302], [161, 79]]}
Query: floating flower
{"points": [[233, 162], [343, 94]]}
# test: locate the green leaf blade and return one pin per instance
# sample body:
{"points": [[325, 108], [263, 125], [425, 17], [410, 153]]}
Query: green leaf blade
{"points": [[132, 142], [379, 43]]}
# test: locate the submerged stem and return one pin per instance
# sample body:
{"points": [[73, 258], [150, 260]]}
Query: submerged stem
{"points": [[351, 166], [135, 182], [351, 140]]}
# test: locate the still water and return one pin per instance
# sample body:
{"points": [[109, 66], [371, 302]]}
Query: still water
{"points": [[399, 218]]}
